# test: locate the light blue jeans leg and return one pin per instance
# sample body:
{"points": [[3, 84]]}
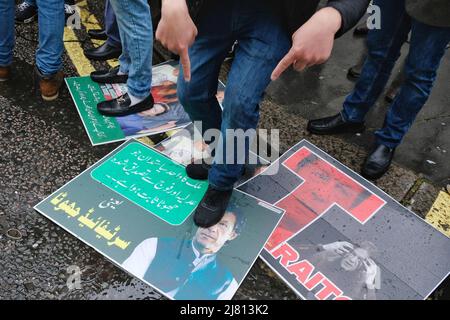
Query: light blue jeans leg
{"points": [[7, 38], [136, 34], [51, 31]]}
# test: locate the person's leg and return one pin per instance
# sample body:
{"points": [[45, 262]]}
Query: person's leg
{"points": [[198, 96], [426, 51], [135, 27], [112, 47], [49, 53], [383, 51], [51, 30], [207, 54], [111, 27], [262, 43], [6, 32]]}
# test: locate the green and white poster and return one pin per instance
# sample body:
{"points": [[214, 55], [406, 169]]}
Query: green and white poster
{"points": [[135, 207], [167, 113]]}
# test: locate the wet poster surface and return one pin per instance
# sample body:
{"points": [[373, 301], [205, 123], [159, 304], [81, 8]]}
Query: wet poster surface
{"points": [[150, 180], [167, 113], [167, 252], [343, 238]]}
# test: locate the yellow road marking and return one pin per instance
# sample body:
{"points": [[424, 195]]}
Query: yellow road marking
{"points": [[439, 214], [75, 52], [74, 49]]}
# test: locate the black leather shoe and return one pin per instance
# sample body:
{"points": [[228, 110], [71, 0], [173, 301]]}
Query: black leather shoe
{"points": [[98, 34], [103, 53], [120, 106], [109, 76], [333, 125], [212, 207], [378, 162], [198, 171]]}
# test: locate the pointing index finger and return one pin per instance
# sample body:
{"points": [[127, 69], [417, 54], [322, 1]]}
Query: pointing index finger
{"points": [[186, 63], [288, 59]]}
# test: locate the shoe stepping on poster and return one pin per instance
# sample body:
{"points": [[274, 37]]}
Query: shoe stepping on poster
{"points": [[167, 113], [135, 207], [183, 148], [341, 237]]}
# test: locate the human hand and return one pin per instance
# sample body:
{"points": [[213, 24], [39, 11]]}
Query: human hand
{"points": [[176, 31], [339, 247], [312, 43], [370, 269]]}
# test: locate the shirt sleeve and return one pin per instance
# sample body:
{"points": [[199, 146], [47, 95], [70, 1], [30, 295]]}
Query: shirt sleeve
{"points": [[351, 12], [141, 258], [228, 293]]}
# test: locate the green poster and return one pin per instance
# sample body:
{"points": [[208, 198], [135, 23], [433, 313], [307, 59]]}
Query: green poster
{"points": [[87, 94], [152, 181], [167, 251], [166, 114]]}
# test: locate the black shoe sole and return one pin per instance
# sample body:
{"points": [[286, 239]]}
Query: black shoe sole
{"points": [[94, 37], [102, 58], [98, 38], [132, 110]]}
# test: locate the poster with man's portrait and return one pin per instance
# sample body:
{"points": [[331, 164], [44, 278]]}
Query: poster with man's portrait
{"points": [[135, 207], [342, 237], [166, 114]]}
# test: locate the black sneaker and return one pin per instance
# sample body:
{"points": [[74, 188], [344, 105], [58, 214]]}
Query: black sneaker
{"points": [[212, 207], [26, 12]]}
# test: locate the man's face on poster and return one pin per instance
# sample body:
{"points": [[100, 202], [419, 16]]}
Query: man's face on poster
{"points": [[212, 239], [353, 259]]}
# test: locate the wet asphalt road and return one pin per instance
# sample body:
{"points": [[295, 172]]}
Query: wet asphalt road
{"points": [[321, 90], [44, 145]]}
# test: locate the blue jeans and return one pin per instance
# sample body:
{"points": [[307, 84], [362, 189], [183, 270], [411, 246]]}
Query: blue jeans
{"points": [[262, 42], [111, 27], [427, 47], [136, 34], [51, 29], [33, 2]]}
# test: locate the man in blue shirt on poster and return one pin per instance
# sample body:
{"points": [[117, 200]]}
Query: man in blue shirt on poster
{"points": [[189, 269]]}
